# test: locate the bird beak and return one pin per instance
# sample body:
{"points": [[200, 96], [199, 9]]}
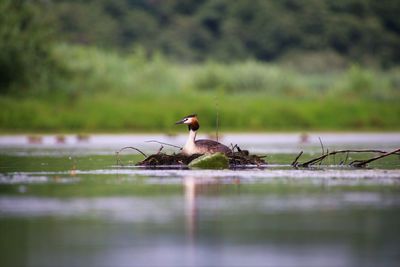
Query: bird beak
{"points": [[180, 122]]}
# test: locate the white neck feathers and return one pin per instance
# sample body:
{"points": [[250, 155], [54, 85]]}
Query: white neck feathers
{"points": [[190, 147], [192, 137]]}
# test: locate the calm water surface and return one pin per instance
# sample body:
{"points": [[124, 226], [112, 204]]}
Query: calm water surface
{"points": [[65, 202]]}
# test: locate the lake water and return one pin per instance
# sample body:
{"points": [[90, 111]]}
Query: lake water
{"points": [[64, 201]]}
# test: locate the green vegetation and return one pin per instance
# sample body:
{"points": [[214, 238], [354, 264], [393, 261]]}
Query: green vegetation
{"points": [[123, 65], [25, 45], [193, 30], [112, 92]]}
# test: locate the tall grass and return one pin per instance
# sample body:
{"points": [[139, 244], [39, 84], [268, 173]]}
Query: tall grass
{"points": [[109, 92], [111, 113]]}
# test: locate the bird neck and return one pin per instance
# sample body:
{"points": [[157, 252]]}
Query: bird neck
{"points": [[193, 127], [190, 147], [192, 136]]}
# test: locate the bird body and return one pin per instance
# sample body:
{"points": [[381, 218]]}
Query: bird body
{"points": [[203, 146]]}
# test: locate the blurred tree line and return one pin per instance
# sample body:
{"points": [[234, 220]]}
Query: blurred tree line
{"points": [[25, 44], [364, 31], [193, 30]]}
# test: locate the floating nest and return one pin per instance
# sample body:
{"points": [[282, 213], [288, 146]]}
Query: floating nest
{"points": [[242, 158], [238, 158]]}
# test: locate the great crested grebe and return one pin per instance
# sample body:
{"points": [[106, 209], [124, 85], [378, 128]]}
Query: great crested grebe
{"points": [[204, 146]]}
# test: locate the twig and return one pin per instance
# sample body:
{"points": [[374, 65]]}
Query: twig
{"points": [[238, 148], [363, 163], [322, 157], [312, 161], [233, 147], [134, 148], [162, 143], [127, 147], [295, 161], [159, 150], [322, 145]]}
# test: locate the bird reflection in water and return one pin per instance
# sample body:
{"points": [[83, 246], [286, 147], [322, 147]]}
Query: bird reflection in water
{"points": [[194, 187]]}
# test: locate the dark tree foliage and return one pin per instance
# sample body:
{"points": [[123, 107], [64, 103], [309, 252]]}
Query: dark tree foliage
{"points": [[24, 44], [193, 30]]}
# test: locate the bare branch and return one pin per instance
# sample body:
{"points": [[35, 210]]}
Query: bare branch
{"points": [[134, 148], [162, 143], [233, 147], [159, 150], [322, 146], [127, 147], [362, 163], [322, 157], [295, 161]]}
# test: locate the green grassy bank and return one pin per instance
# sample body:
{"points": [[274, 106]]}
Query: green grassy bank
{"points": [[108, 92], [237, 113]]}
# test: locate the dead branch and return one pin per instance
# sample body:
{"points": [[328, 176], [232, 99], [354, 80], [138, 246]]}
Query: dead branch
{"points": [[127, 147], [131, 147], [162, 143], [322, 145], [316, 160], [363, 163], [159, 150], [233, 147], [162, 159], [237, 148], [322, 157], [295, 161]]}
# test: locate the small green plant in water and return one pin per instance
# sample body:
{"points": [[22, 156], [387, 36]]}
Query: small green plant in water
{"points": [[212, 161]]}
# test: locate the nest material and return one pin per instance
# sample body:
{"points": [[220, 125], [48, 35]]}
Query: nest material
{"points": [[236, 159], [161, 159]]}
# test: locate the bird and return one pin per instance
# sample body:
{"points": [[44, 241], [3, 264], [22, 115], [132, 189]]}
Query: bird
{"points": [[203, 146]]}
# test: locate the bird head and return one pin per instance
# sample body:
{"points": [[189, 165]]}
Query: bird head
{"points": [[191, 121]]}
